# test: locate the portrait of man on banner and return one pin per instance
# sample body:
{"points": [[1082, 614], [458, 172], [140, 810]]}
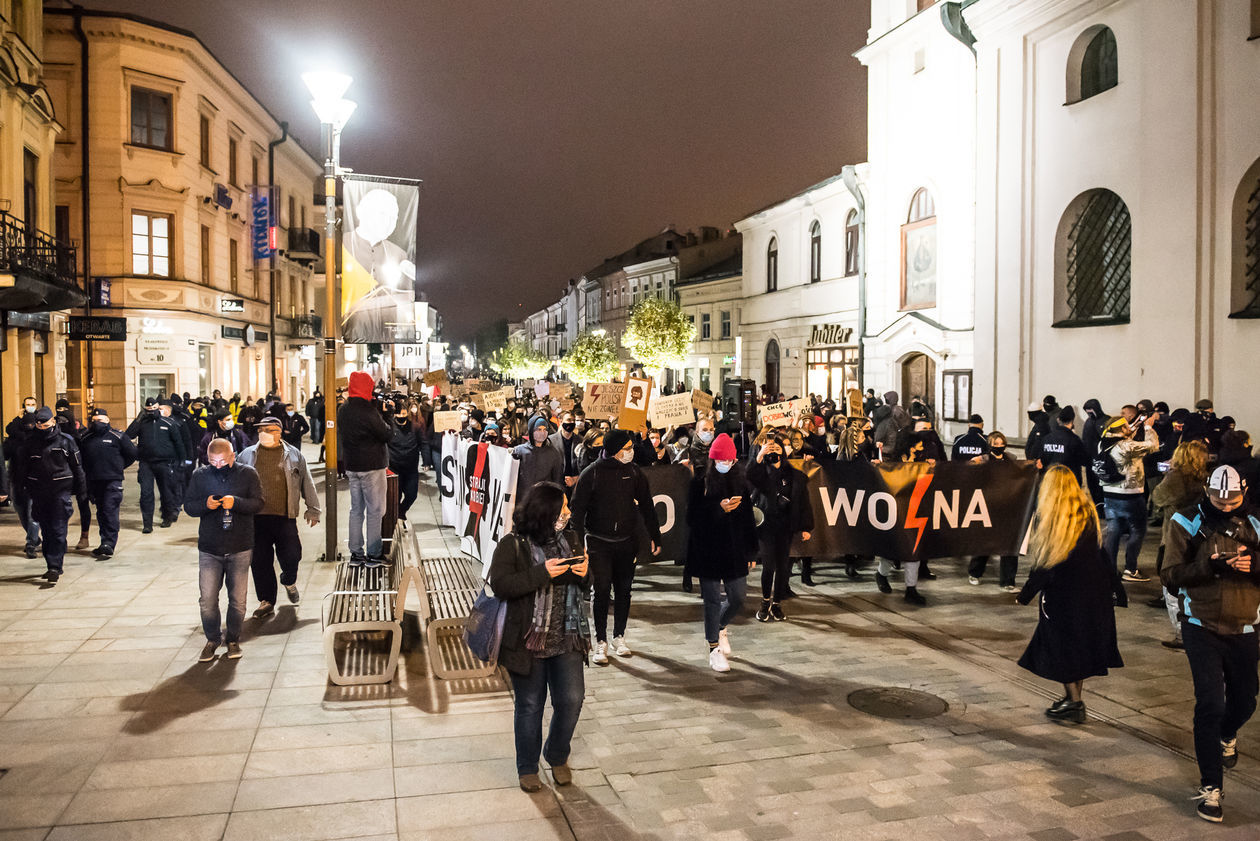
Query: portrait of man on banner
{"points": [[378, 254]]}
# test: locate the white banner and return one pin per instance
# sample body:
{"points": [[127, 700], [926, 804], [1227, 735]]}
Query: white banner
{"points": [[478, 487], [450, 477], [674, 410]]}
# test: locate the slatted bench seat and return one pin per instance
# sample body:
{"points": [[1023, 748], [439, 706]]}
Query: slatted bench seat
{"points": [[450, 589]]}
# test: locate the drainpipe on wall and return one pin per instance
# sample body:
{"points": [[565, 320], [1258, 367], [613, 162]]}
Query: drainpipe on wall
{"points": [[85, 166], [272, 201], [849, 175]]}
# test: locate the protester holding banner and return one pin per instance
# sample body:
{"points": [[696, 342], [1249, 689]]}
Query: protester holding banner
{"points": [[540, 571], [782, 497], [721, 549], [1078, 586], [609, 496], [994, 447]]}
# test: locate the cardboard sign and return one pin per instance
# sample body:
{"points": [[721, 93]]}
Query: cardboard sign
{"points": [[493, 401], [701, 401], [541, 390], [674, 410], [856, 409], [781, 414], [459, 392], [633, 412], [447, 421], [567, 404], [603, 399], [559, 391]]}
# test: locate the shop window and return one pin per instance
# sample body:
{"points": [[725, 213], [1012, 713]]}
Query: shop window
{"points": [[918, 253], [1245, 289], [150, 118], [956, 399], [1093, 64], [724, 322], [150, 244], [772, 265], [851, 234], [706, 328], [1093, 271], [815, 252]]}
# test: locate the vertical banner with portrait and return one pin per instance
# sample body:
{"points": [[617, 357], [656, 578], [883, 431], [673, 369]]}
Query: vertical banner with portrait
{"points": [[378, 260]]}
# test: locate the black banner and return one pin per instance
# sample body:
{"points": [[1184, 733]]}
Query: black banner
{"points": [[918, 511], [669, 485]]}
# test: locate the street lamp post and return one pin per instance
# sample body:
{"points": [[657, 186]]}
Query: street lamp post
{"points": [[333, 109]]}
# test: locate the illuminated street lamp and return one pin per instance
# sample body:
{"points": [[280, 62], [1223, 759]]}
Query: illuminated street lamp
{"points": [[333, 109]]}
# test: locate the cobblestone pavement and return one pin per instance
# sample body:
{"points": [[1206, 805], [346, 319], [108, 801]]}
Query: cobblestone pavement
{"points": [[109, 729]]}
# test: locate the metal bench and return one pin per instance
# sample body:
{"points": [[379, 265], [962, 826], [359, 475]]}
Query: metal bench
{"points": [[367, 601], [450, 589]]}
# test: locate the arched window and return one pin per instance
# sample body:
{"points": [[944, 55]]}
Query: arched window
{"points": [[815, 252], [1245, 286], [772, 265], [918, 253], [1093, 66], [1092, 261], [772, 368], [851, 234]]}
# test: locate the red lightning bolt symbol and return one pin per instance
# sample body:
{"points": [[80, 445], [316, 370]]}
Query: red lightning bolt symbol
{"points": [[913, 520]]}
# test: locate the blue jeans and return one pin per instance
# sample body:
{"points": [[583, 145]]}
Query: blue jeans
{"points": [[1125, 514], [212, 570], [29, 524], [563, 675], [367, 499], [719, 611]]}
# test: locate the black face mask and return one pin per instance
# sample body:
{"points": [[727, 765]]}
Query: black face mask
{"points": [[998, 451], [401, 420], [100, 426], [49, 434], [774, 459], [569, 427]]}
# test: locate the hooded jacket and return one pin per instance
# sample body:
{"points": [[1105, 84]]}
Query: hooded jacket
{"points": [[607, 498], [538, 462], [363, 434], [1210, 593]]}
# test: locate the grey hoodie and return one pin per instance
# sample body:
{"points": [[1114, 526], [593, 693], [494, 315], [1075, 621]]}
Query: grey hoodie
{"points": [[538, 463]]}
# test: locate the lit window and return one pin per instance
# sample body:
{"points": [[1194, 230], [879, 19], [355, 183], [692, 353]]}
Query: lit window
{"points": [[918, 253], [150, 244]]}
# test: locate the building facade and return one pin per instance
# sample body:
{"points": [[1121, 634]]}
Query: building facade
{"points": [[713, 300], [176, 149]]}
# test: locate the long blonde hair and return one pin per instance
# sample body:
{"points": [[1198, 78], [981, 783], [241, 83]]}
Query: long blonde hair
{"points": [[1064, 513], [1190, 459]]}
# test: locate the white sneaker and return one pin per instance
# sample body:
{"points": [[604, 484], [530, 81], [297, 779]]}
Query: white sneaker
{"points": [[619, 646], [973, 581], [717, 660], [724, 642], [599, 656]]}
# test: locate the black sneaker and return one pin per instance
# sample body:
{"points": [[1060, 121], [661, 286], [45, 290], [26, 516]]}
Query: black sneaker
{"points": [[30, 552], [776, 612], [166, 524], [915, 597], [763, 613], [103, 552], [207, 652], [147, 530], [881, 581], [1229, 752], [52, 577], [357, 560], [234, 651], [376, 562], [1209, 809]]}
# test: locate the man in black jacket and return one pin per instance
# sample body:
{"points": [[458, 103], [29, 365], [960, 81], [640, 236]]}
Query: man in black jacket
{"points": [[15, 433], [160, 447], [363, 436], [49, 470], [315, 414], [972, 443], [608, 497], [1062, 446], [106, 454], [225, 496]]}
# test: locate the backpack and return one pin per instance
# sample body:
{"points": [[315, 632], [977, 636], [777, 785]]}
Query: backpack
{"points": [[1104, 467]]}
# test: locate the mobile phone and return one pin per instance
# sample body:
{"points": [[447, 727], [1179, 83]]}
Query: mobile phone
{"points": [[217, 497], [571, 561]]}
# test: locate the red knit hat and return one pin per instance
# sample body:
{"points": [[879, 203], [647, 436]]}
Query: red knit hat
{"points": [[722, 449], [360, 385]]}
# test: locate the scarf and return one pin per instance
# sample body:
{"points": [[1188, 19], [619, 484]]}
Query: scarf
{"points": [[575, 634]]}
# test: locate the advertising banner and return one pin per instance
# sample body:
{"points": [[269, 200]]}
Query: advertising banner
{"points": [[673, 410], [378, 256]]}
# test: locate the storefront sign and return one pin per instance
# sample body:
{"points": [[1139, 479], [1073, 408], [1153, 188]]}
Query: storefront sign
{"points": [[97, 328], [410, 357], [101, 291], [262, 230], [830, 334], [231, 305], [247, 334], [153, 350]]}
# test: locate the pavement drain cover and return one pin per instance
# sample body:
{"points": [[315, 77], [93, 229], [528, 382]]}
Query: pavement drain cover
{"points": [[897, 702]]}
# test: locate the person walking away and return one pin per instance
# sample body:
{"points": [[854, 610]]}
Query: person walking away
{"points": [[1180, 488], [285, 480], [295, 426], [363, 447], [1091, 436], [995, 444], [721, 544], [225, 496], [106, 452], [16, 432], [404, 456], [781, 495], [539, 461], [1075, 637], [315, 414], [49, 470], [607, 499], [1123, 487], [160, 447], [540, 570], [1210, 564]]}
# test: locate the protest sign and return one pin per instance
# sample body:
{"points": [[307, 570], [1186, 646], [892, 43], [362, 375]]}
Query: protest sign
{"points": [[559, 391], [701, 401], [674, 410], [437, 378], [603, 399], [493, 401], [781, 414], [632, 414], [443, 421]]}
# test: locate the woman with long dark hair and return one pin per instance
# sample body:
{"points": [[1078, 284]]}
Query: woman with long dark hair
{"points": [[722, 544], [539, 569], [782, 497], [1076, 622]]}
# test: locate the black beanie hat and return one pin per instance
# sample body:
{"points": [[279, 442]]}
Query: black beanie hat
{"points": [[615, 441], [1067, 415]]}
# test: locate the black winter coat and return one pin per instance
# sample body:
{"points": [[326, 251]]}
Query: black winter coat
{"points": [[720, 544], [515, 578], [158, 438], [783, 496], [237, 481], [404, 447], [106, 454], [363, 436], [608, 499]]}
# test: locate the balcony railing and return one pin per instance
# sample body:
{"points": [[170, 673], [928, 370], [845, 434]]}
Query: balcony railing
{"points": [[37, 273], [304, 244], [307, 327]]}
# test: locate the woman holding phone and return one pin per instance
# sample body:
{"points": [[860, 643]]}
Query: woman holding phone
{"points": [[722, 545], [783, 498], [539, 569]]}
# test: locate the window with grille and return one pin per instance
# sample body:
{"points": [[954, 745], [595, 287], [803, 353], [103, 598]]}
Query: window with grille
{"points": [[815, 252], [851, 244], [1245, 301], [772, 265], [1093, 64], [150, 118], [150, 244], [1095, 244]]}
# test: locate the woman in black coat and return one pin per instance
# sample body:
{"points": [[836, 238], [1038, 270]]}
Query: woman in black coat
{"points": [[1076, 624], [721, 548], [540, 571], [783, 497]]}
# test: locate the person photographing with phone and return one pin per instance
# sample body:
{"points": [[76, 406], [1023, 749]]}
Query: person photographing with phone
{"points": [[1210, 564], [782, 496], [225, 496], [540, 570]]}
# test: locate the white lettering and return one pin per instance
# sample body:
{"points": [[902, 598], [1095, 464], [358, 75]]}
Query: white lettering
{"points": [[977, 510], [667, 520], [890, 505], [948, 510], [842, 505]]}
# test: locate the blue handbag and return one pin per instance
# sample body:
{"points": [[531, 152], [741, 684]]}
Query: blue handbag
{"points": [[483, 632]]}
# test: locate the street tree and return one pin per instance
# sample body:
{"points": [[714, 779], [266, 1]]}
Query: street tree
{"points": [[519, 360], [659, 335], [592, 358]]}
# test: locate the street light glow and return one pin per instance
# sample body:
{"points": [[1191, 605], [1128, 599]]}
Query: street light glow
{"points": [[328, 97]]}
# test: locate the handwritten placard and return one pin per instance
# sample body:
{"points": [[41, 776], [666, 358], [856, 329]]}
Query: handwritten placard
{"points": [[446, 422], [781, 414], [674, 410], [701, 401], [603, 399]]}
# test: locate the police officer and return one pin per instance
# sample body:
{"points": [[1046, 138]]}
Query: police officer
{"points": [[972, 443], [49, 469], [1062, 446], [106, 454], [160, 446], [15, 433], [192, 434]]}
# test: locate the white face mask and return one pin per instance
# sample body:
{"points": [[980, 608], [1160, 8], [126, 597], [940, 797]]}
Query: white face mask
{"points": [[625, 456], [229, 423], [705, 436], [723, 466]]}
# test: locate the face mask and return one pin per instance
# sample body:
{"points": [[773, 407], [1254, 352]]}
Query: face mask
{"points": [[269, 439], [997, 451], [30, 410], [723, 466], [562, 522], [463, 418], [290, 412], [229, 423], [656, 441], [100, 425], [706, 437], [401, 419], [50, 433], [625, 456], [683, 442], [220, 467], [569, 427], [540, 435], [774, 459]]}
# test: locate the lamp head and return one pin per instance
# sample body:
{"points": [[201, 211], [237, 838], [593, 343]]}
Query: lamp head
{"points": [[328, 97]]}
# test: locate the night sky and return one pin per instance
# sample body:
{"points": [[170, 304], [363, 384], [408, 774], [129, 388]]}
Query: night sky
{"points": [[551, 134]]}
